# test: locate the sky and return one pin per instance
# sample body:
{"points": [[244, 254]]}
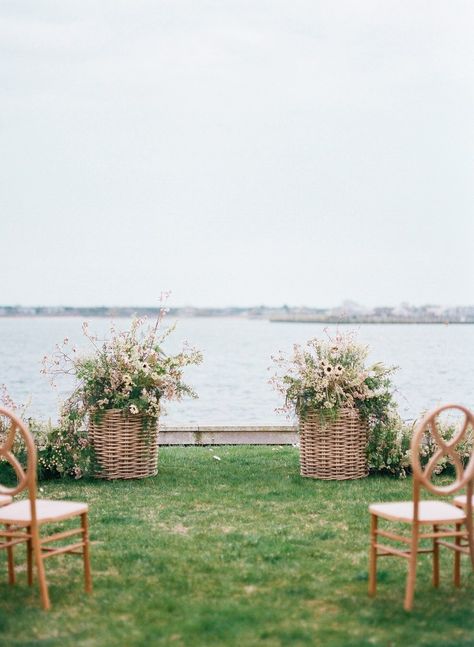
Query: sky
{"points": [[236, 152]]}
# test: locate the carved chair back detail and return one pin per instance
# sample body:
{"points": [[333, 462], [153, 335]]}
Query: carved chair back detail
{"points": [[429, 425], [26, 478]]}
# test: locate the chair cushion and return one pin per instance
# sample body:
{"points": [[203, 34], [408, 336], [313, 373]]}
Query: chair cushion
{"points": [[19, 513], [5, 499], [461, 501], [428, 512]]}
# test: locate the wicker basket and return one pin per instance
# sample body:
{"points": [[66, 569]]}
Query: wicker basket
{"points": [[333, 449], [124, 450]]}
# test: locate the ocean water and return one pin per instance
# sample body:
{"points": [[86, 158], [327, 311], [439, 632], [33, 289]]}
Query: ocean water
{"points": [[435, 364]]}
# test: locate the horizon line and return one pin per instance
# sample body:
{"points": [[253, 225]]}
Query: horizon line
{"points": [[345, 304]]}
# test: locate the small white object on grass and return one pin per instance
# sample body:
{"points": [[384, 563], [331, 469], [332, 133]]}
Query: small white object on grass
{"points": [[216, 457]]}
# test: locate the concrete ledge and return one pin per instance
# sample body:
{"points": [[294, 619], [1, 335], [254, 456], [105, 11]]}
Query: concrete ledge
{"points": [[218, 435]]}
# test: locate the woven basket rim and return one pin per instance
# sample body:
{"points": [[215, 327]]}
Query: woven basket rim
{"points": [[329, 413], [125, 412], [117, 410]]}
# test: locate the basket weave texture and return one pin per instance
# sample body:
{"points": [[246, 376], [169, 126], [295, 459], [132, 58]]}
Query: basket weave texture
{"points": [[333, 449], [124, 450]]}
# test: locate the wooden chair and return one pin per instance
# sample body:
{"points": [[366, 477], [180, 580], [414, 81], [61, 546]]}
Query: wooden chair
{"points": [[437, 514], [23, 519]]}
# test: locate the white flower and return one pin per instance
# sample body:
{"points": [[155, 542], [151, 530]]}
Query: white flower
{"points": [[133, 408]]}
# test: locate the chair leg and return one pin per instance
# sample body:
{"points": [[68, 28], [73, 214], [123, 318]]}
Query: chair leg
{"points": [[85, 554], [457, 558], [29, 558], [373, 555], [45, 601], [470, 538], [411, 576], [11, 561], [435, 559]]}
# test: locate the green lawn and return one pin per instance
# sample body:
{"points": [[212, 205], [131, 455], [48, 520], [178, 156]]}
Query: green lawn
{"points": [[240, 551]]}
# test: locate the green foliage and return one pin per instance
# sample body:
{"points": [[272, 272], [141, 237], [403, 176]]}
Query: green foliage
{"points": [[388, 447], [62, 450], [65, 450], [388, 450], [446, 464]]}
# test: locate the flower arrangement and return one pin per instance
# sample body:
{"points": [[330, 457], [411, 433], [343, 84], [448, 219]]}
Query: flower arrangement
{"points": [[128, 371], [327, 375]]}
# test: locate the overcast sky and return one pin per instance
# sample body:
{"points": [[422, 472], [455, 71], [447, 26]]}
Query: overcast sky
{"points": [[236, 152]]}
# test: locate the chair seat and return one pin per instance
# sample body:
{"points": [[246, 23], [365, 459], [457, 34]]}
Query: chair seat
{"points": [[428, 512], [5, 499], [461, 501], [19, 513]]}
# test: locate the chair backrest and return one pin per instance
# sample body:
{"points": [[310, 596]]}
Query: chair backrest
{"points": [[26, 478], [422, 476]]}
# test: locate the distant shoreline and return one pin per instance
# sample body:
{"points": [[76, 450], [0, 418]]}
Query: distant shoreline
{"points": [[284, 314], [385, 322], [330, 321]]}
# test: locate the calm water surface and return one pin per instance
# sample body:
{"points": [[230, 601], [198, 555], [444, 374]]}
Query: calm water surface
{"points": [[435, 364]]}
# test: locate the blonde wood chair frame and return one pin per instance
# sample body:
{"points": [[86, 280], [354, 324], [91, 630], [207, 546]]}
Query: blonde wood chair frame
{"points": [[462, 502], [418, 513], [22, 520]]}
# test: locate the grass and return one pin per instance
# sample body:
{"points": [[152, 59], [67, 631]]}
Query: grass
{"points": [[240, 551]]}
